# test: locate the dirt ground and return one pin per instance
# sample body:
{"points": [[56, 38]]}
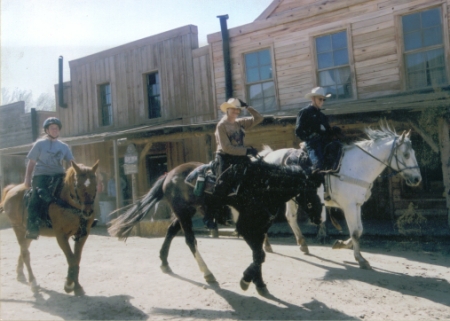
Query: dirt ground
{"points": [[123, 281]]}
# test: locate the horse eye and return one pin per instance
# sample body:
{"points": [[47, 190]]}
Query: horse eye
{"points": [[406, 155]]}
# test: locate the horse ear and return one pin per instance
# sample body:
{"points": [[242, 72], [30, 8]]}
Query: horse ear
{"points": [[94, 168], [402, 138], [408, 133], [75, 166]]}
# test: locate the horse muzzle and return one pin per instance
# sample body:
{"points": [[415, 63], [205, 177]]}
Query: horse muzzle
{"points": [[413, 180]]}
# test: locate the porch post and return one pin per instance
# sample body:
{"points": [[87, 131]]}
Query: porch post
{"points": [[444, 144], [117, 174]]}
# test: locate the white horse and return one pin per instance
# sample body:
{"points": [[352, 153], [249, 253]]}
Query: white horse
{"points": [[351, 187]]}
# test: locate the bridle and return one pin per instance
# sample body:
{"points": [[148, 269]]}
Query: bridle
{"points": [[76, 197], [393, 154]]}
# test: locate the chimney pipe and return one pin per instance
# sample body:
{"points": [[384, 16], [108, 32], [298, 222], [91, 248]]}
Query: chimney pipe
{"points": [[226, 56], [60, 84]]}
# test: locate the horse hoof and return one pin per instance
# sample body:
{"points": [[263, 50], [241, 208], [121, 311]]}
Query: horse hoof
{"points": [[365, 265], [244, 285], [21, 278], [79, 291], [69, 288], [268, 249], [166, 269], [210, 278], [304, 249], [34, 286], [262, 290], [337, 245], [215, 234]]}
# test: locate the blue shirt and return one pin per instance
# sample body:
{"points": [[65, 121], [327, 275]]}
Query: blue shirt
{"points": [[49, 155]]}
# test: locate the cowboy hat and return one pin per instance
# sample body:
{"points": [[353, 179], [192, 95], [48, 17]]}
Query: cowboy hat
{"points": [[231, 103], [317, 92]]}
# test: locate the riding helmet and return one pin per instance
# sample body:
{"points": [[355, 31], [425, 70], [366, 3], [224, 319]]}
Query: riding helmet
{"points": [[52, 120]]}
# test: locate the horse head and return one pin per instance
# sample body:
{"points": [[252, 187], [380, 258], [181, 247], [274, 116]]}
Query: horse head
{"points": [[404, 160], [83, 184]]}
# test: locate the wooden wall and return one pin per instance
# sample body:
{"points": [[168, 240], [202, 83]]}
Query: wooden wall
{"points": [[16, 124], [184, 72], [289, 28]]}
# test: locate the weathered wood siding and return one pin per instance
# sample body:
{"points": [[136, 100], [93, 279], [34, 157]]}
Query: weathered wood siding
{"points": [[16, 124], [184, 72], [288, 30]]}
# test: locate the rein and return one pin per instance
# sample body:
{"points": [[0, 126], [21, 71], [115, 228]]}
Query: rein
{"points": [[392, 154]]}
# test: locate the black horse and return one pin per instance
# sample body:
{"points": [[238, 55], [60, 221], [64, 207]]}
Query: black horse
{"points": [[262, 190]]}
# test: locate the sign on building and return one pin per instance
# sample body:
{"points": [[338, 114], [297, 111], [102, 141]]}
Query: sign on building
{"points": [[131, 160]]}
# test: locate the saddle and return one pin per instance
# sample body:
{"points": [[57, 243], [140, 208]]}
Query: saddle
{"points": [[332, 161], [206, 172]]}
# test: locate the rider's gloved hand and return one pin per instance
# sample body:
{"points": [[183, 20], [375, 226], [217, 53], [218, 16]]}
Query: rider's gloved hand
{"points": [[252, 151]]}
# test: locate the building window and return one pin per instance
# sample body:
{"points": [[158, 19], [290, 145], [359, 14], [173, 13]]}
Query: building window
{"points": [[333, 68], [105, 105], [424, 54], [259, 80], [153, 95]]}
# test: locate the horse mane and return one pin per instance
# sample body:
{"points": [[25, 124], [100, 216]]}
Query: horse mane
{"points": [[69, 180], [374, 135]]}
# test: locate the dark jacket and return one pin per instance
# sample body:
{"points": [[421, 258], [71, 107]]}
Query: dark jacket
{"points": [[308, 123]]}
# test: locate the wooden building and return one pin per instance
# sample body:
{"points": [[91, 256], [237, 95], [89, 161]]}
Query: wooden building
{"points": [[18, 130], [378, 59], [160, 95]]}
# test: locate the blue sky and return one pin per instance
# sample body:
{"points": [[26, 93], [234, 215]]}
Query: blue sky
{"points": [[34, 33]]}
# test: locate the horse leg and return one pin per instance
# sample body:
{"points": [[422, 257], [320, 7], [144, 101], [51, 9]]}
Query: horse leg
{"points": [[73, 270], [254, 272], [322, 232], [24, 258], [191, 242], [291, 216], [172, 231], [355, 228]]}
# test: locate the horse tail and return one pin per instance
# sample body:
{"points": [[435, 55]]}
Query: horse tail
{"points": [[122, 225], [4, 192]]}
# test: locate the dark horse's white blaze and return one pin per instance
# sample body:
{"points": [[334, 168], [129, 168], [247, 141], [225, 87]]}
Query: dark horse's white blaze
{"points": [[256, 207], [362, 163]]}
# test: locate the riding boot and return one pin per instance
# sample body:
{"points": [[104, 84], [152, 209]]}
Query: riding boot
{"points": [[33, 223]]}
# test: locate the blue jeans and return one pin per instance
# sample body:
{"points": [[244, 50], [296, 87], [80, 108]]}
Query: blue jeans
{"points": [[315, 147]]}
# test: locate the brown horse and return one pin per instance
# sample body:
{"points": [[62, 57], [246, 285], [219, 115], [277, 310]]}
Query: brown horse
{"points": [[78, 192], [263, 189]]}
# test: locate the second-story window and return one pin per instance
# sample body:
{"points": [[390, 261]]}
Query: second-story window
{"points": [[424, 54], [153, 95], [105, 105], [333, 68], [259, 80]]}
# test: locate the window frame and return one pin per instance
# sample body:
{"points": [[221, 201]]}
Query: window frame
{"points": [[100, 104], [400, 43], [244, 76], [145, 94], [351, 61]]}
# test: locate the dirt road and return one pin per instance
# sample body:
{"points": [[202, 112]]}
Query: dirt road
{"points": [[123, 281]]}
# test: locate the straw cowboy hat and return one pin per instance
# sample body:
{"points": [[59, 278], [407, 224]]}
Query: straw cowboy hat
{"points": [[232, 103], [317, 92]]}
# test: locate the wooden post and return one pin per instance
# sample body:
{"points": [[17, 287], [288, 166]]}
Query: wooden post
{"points": [[444, 144], [117, 174]]}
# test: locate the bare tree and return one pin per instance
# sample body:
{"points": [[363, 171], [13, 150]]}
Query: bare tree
{"points": [[45, 101]]}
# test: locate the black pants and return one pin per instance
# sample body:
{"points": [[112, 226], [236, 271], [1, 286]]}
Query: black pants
{"points": [[223, 161], [47, 187]]}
